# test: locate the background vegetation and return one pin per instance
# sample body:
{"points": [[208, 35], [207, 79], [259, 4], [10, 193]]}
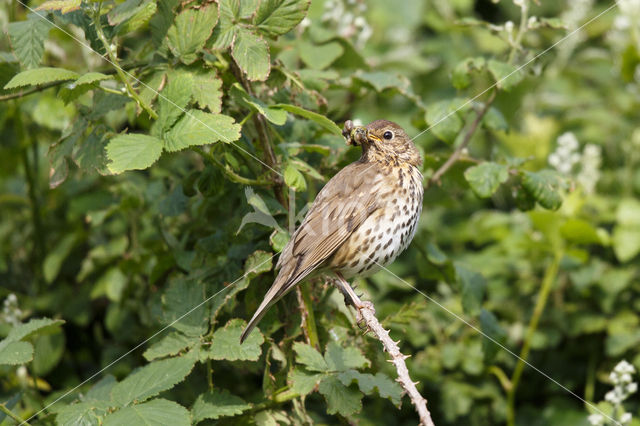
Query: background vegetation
{"points": [[122, 210]]}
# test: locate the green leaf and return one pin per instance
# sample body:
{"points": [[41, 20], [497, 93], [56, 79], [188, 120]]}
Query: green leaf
{"points": [[133, 151], [506, 76], [35, 325], [53, 261], [443, 120], [158, 412], [274, 115], [628, 212], [174, 98], [310, 357], [183, 300], [64, 6], [340, 399], [91, 77], [27, 39], [161, 22], [472, 285], [191, 30], [200, 128], [320, 56], [207, 91], [277, 17], [218, 403], [543, 186], [258, 262], [38, 76], [302, 382], [225, 33], [171, 344], [341, 359], [580, 231], [367, 383], [82, 413], [461, 76], [490, 327], [485, 178], [382, 80], [494, 120], [626, 242], [15, 353], [294, 179], [152, 379], [251, 53], [226, 343], [313, 116]]}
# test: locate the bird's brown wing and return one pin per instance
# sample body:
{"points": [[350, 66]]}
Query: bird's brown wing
{"points": [[341, 206]]}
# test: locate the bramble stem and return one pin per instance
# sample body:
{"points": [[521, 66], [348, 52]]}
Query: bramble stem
{"points": [[14, 416]]}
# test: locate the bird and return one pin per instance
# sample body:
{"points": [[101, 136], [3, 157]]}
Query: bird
{"points": [[360, 221]]}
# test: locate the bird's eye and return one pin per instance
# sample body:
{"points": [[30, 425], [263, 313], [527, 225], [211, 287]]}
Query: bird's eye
{"points": [[388, 135]]}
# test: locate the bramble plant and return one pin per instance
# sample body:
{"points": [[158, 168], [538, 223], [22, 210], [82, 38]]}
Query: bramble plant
{"points": [[156, 155]]}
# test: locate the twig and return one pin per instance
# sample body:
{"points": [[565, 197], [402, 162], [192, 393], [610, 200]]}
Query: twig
{"points": [[11, 414], [367, 312], [455, 156], [233, 176], [114, 61]]}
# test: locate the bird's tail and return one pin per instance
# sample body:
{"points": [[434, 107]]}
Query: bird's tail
{"points": [[278, 289]]}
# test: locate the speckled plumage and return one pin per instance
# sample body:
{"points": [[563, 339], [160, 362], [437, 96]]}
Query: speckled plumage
{"points": [[362, 219]]}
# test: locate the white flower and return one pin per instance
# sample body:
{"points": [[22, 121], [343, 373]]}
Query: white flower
{"points": [[625, 418], [508, 27], [624, 367], [612, 397], [632, 387], [595, 419]]}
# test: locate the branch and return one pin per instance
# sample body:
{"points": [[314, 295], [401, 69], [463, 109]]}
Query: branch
{"points": [[368, 313], [11, 414], [455, 156], [231, 175]]}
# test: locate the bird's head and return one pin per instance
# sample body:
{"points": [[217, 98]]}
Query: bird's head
{"points": [[382, 140]]}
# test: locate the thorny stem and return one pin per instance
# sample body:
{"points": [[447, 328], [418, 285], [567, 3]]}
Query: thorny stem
{"points": [[308, 317], [547, 283], [455, 156], [263, 136], [14, 416], [114, 61], [233, 176]]}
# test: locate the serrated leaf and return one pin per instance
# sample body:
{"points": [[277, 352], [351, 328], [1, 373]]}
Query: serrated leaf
{"points": [[277, 17], [490, 327], [472, 286], [506, 75], [340, 399], [15, 353], [302, 382], [485, 178], [341, 359], [382, 80], [91, 77], [543, 186], [461, 76], [494, 120], [310, 357], [225, 33], [226, 343], [218, 403], [101, 391], [191, 30], [152, 379], [174, 98], [367, 383], [161, 22], [274, 115], [251, 53], [183, 300], [133, 151], [313, 116], [123, 11], [158, 412], [258, 262], [171, 344], [207, 91], [140, 17], [82, 413], [38, 76], [27, 39], [200, 128], [294, 179], [443, 120], [35, 325], [64, 6]]}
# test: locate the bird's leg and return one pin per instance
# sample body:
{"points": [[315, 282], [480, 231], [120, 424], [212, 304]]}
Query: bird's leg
{"points": [[351, 298]]}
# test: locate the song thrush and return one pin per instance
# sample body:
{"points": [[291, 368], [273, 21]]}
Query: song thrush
{"points": [[361, 220]]}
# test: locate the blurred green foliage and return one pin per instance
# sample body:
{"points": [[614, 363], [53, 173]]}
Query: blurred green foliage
{"points": [[122, 211]]}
